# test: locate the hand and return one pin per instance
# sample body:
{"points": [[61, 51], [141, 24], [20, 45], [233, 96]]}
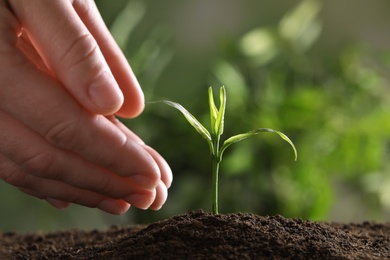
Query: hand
{"points": [[62, 77]]}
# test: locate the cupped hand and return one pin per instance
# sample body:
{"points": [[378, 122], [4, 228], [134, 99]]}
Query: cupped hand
{"points": [[62, 79]]}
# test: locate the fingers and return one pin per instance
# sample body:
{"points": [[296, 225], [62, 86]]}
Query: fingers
{"points": [[165, 170], [50, 146], [95, 156], [80, 197], [59, 204], [120, 68], [161, 196], [75, 57], [51, 173], [66, 125]]}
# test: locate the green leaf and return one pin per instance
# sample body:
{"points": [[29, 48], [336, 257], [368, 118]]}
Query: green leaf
{"points": [[219, 124], [240, 137], [213, 111], [191, 119]]}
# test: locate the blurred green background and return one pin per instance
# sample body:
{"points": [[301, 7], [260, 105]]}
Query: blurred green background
{"points": [[316, 70]]}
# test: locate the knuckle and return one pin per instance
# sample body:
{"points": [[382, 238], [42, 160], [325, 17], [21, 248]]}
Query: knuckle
{"points": [[10, 173], [82, 49], [101, 186], [64, 135], [21, 174], [39, 164]]}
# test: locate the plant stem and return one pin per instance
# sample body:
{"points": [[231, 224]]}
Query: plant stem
{"points": [[215, 159], [215, 162]]}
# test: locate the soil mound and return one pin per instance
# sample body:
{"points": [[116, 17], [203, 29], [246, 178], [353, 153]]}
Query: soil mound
{"points": [[200, 235]]}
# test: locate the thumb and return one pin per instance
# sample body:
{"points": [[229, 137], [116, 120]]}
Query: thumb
{"points": [[71, 52]]}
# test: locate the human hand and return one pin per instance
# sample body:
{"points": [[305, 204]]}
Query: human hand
{"points": [[62, 77]]}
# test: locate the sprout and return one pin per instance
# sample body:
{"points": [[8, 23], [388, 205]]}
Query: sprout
{"points": [[217, 124]]}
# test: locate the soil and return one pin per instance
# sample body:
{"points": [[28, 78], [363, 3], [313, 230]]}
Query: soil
{"points": [[200, 235]]}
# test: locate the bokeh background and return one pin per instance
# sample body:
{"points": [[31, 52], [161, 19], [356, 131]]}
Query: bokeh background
{"points": [[316, 70]]}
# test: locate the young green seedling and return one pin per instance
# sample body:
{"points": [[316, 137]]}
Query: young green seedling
{"points": [[213, 139]]}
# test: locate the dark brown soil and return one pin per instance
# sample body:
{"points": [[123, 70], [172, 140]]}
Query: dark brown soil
{"points": [[199, 235]]}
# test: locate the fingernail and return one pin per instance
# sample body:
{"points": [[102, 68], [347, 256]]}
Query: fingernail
{"points": [[140, 201], [144, 182], [105, 93], [116, 207], [59, 204]]}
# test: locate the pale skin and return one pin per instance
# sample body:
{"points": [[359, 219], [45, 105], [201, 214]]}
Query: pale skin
{"points": [[62, 81]]}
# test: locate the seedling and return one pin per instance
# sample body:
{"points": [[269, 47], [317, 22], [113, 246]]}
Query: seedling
{"points": [[213, 139]]}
